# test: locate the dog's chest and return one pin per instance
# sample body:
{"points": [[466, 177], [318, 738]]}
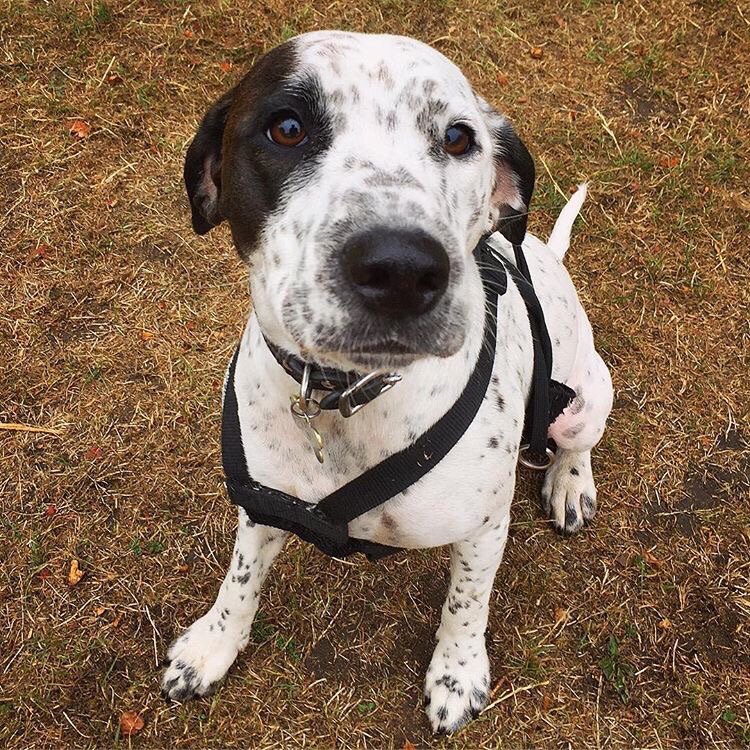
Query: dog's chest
{"points": [[470, 487]]}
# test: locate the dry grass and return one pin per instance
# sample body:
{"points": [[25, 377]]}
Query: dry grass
{"points": [[116, 323]]}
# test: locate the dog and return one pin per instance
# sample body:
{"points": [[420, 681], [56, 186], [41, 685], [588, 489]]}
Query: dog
{"points": [[357, 174]]}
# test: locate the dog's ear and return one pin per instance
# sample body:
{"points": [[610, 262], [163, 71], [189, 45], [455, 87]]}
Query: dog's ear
{"points": [[203, 166], [514, 177]]}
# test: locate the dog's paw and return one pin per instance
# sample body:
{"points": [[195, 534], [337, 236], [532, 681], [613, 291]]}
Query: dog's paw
{"points": [[569, 493], [198, 660], [457, 683]]}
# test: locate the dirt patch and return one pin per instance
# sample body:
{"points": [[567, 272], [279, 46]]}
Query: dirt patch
{"points": [[645, 103]]}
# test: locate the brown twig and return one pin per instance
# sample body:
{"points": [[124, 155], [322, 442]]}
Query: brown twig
{"points": [[28, 428]]}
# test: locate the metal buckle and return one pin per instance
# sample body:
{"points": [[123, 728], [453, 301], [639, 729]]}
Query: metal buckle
{"points": [[346, 406], [524, 451]]}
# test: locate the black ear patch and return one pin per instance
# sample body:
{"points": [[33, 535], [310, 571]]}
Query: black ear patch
{"points": [[514, 182], [514, 176], [203, 166]]}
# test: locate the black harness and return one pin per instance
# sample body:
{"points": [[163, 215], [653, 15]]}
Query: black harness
{"points": [[325, 524]]}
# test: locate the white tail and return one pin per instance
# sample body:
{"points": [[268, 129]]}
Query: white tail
{"points": [[559, 240]]}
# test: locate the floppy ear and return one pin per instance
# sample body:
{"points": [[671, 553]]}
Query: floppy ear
{"points": [[514, 178], [203, 166]]}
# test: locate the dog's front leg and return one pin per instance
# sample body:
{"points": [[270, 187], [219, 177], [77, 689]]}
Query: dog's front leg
{"points": [[199, 659], [458, 678]]}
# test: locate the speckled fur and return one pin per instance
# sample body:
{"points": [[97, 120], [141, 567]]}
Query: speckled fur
{"points": [[401, 94]]}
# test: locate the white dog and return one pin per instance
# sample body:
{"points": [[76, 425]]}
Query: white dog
{"points": [[358, 173]]}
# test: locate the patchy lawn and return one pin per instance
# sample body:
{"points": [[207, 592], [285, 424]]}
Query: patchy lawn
{"points": [[116, 324]]}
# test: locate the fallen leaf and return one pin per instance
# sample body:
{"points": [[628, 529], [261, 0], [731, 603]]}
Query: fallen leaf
{"points": [[51, 510], [116, 621], [113, 79], [225, 66], [93, 452], [561, 615], [80, 129], [502, 79], [546, 703], [669, 162], [183, 568], [652, 559], [560, 21], [537, 53], [44, 574], [147, 335], [74, 573], [131, 723], [188, 34], [664, 624], [99, 611], [40, 251], [409, 746]]}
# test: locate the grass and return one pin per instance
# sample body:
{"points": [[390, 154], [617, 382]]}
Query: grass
{"points": [[617, 671], [116, 323]]}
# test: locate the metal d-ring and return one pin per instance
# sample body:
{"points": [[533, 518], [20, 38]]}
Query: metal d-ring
{"points": [[524, 451]]}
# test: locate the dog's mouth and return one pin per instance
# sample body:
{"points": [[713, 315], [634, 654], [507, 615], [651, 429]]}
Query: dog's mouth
{"points": [[398, 346], [377, 354], [373, 343]]}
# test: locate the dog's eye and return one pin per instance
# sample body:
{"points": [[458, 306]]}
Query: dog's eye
{"points": [[287, 130], [458, 140]]}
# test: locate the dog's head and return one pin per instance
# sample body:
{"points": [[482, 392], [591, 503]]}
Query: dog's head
{"points": [[357, 173]]}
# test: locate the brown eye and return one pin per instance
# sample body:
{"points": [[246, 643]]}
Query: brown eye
{"points": [[287, 130], [458, 140]]}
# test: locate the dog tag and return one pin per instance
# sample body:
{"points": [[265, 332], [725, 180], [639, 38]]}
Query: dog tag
{"points": [[303, 413]]}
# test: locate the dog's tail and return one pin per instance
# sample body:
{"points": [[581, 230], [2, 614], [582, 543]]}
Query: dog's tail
{"points": [[559, 240]]}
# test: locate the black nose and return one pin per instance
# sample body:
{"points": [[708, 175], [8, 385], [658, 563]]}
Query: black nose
{"points": [[396, 272]]}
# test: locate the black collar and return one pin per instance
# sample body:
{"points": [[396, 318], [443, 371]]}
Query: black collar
{"points": [[346, 391]]}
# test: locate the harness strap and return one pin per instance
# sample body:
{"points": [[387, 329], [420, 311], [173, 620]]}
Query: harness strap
{"points": [[537, 409], [548, 398]]}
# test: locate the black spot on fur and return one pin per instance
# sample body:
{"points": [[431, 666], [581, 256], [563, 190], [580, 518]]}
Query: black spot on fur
{"points": [[571, 432], [388, 521], [588, 505], [572, 519]]}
